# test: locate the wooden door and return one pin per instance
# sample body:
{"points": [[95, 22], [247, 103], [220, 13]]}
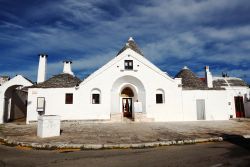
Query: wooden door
{"points": [[239, 107], [127, 107], [200, 108]]}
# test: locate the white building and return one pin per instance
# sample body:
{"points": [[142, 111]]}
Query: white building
{"points": [[237, 94], [13, 98], [131, 87]]}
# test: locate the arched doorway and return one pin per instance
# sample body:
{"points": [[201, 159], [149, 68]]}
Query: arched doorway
{"points": [[15, 104], [129, 87], [13, 99], [127, 95]]}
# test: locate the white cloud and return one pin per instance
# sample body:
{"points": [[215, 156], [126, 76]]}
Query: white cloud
{"points": [[227, 34], [165, 30]]}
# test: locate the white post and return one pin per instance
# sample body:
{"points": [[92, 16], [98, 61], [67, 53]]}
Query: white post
{"points": [[209, 78], [9, 108], [41, 74], [1, 110]]}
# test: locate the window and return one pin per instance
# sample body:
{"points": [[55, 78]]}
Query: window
{"points": [[160, 96], [69, 98], [95, 98], [128, 64]]}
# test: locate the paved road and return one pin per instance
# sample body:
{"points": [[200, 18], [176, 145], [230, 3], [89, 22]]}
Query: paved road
{"points": [[231, 153]]}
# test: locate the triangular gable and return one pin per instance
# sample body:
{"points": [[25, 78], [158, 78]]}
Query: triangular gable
{"points": [[121, 56], [17, 80]]}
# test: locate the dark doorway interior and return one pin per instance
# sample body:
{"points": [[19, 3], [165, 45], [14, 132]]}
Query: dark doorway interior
{"points": [[127, 107], [239, 107], [15, 104]]}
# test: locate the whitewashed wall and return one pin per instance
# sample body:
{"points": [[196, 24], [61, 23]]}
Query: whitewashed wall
{"points": [[144, 80], [110, 79], [145, 77], [55, 105], [216, 104], [238, 91]]}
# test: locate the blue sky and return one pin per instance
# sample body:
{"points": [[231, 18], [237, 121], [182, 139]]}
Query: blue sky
{"points": [[171, 34]]}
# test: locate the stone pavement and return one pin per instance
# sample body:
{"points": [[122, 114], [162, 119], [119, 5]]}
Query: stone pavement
{"points": [[84, 135]]}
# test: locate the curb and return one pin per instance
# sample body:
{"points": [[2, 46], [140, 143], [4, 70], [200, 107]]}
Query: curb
{"points": [[51, 146], [56, 146]]}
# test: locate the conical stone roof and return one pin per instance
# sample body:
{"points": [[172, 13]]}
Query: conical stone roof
{"points": [[59, 81], [132, 45], [190, 80]]}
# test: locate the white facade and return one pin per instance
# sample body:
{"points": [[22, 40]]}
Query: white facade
{"points": [[216, 106], [145, 90], [110, 80], [238, 91]]}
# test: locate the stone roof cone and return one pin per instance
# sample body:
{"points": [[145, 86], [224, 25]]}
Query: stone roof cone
{"points": [[132, 45], [59, 81], [190, 80]]}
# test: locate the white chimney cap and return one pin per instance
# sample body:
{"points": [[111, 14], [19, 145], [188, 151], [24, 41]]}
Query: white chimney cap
{"points": [[43, 55], [67, 61]]}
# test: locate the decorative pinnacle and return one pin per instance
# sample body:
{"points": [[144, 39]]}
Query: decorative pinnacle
{"points": [[130, 39]]}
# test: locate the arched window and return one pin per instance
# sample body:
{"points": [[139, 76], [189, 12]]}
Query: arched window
{"points": [[95, 96], [160, 96]]}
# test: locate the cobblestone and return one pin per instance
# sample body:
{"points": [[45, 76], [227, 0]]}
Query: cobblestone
{"points": [[87, 135]]}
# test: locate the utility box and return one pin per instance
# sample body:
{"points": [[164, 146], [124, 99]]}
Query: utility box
{"points": [[48, 126], [137, 109], [137, 106]]}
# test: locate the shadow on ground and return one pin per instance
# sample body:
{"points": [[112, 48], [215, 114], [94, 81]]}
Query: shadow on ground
{"points": [[234, 151], [237, 140]]}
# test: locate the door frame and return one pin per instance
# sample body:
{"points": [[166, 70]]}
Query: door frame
{"points": [[202, 107]]}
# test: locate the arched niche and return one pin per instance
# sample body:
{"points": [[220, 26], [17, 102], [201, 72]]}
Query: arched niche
{"points": [[127, 92]]}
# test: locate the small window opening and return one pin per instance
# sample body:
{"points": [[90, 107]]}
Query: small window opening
{"points": [[159, 98], [95, 98], [69, 98], [128, 64]]}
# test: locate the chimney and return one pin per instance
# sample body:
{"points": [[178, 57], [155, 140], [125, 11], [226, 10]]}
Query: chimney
{"points": [[67, 67], [41, 74], [208, 77]]}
